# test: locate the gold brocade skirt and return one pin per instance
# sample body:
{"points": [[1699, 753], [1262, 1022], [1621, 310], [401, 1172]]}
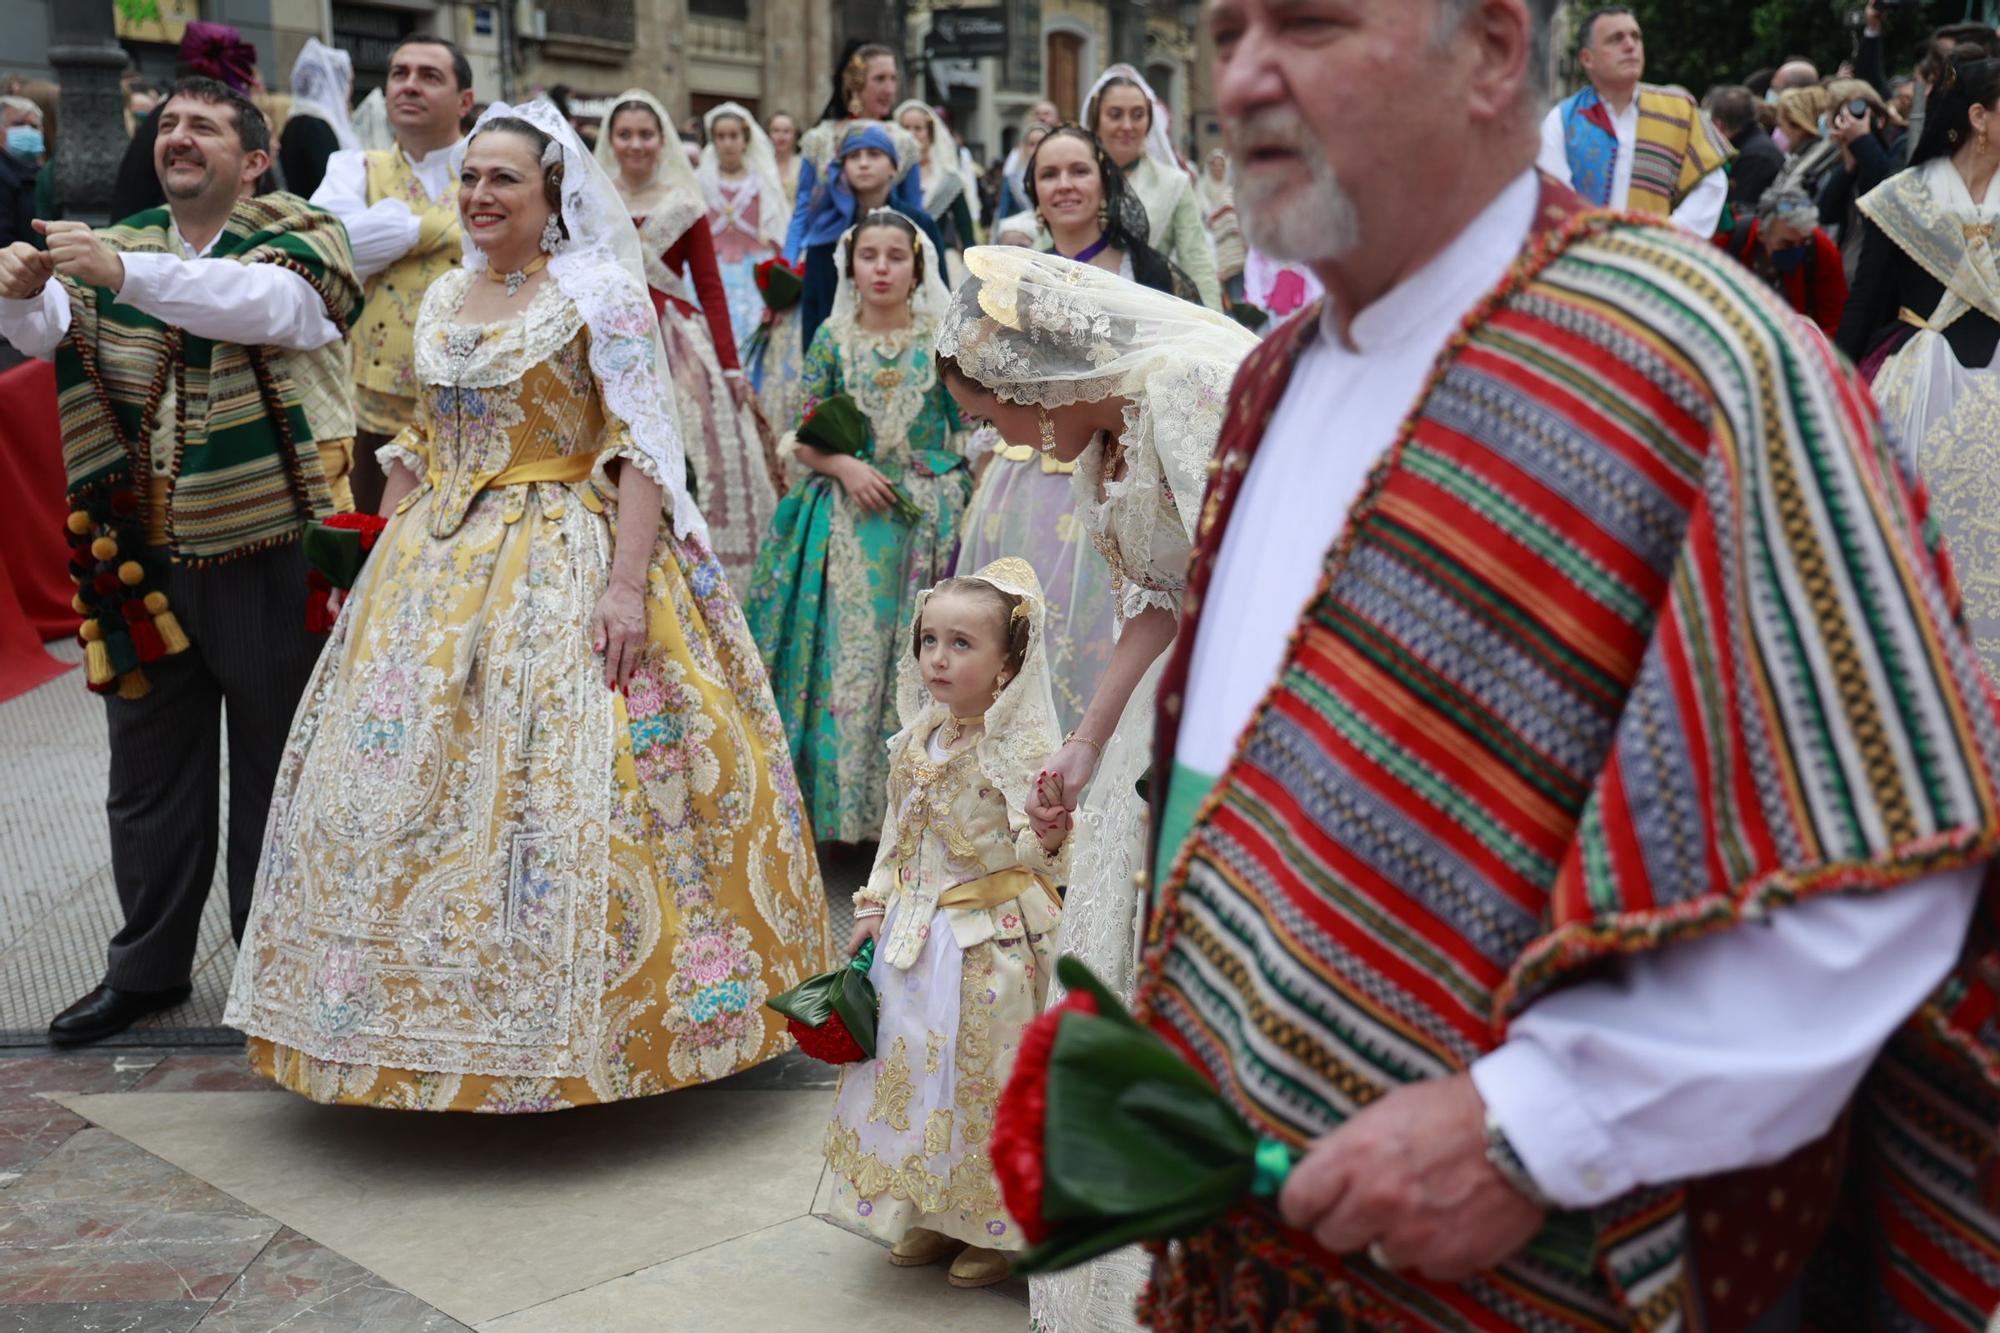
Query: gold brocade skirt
{"points": [[490, 883]]}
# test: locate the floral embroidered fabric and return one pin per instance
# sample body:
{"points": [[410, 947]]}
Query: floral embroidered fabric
{"points": [[490, 883]]}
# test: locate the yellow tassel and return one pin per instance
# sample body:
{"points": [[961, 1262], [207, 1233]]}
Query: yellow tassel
{"points": [[76, 605], [80, 522], [170, 632], [96, 662], [104, 548], [132, 574], [156, 602], [134, 685]]}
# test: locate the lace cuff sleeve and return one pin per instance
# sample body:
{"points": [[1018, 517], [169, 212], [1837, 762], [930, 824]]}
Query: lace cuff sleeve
{"points": [[1052, 866]]}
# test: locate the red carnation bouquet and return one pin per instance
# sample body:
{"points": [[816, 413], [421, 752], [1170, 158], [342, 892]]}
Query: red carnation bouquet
{"points": [[336, 548], [782, 284], [832, 1015], [1105, 1136]]}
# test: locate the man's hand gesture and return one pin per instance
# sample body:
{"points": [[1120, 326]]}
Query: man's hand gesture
{"points": [[80, 253], [24, 270]]}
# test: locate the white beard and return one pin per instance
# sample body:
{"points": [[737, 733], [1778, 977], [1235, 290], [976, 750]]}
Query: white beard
{"points": [[1310, 227]]}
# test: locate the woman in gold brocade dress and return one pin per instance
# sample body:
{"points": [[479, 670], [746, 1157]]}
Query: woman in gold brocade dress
{"points": [[536, 841]]}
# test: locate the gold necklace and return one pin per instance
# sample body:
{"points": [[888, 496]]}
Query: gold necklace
{"points": [[951, 730], [512, 281]]}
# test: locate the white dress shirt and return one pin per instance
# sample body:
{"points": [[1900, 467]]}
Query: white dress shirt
{"points": [[382, 232], [1702, 1057], [1699, 213], [218, 299]]}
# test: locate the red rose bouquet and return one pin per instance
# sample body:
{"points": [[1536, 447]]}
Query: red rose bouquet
{"points": [[335, 549], [781, 284], [1105, 1136], [832, 1016]]}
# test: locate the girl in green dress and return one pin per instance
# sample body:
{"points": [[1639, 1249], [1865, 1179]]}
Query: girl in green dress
{"points": [[838, 578]]}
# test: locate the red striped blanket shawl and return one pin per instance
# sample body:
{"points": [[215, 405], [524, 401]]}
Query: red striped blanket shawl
{"points": [[1637, 633]]}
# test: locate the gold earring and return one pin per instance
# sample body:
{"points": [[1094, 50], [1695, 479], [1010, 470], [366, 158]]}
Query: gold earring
{"points": [[1048, 429]]}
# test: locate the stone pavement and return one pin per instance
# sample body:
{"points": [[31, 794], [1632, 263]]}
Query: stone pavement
{"points": [[157, 1186]]}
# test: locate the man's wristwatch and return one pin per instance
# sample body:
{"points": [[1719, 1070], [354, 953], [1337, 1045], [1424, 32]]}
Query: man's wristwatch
{"points": [[1501, 1155]]}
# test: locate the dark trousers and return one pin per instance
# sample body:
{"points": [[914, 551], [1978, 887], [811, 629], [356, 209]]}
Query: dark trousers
{"points": [[367, 478], [248, 664]]}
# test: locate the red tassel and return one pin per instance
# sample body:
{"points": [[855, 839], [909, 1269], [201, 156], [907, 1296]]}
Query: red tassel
{"points": [[151, 647], [105, 583], [319, 615]]}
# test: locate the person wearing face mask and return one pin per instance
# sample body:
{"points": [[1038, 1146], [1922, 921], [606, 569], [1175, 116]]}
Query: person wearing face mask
{"points": [[188, 343], [1628, 145], [1131, 122], [21, 151], [398, 207], [1787, 249]]}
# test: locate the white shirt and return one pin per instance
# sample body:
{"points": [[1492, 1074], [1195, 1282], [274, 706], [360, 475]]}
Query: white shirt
{"points": [[218, 299], [1699, 213], [383, 232], [1703, 1057]]}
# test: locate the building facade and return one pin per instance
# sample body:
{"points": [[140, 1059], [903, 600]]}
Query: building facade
{"points": [[692, 54]]}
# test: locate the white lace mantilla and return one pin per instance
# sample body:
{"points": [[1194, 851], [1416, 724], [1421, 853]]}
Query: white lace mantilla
{"points": [[488, 356]]}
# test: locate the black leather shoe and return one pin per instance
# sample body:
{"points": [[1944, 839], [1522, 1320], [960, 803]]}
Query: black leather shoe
{"points": [[106, 1013]]}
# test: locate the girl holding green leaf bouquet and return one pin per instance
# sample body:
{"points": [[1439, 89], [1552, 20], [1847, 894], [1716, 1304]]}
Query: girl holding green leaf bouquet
{"points": [[963, 912], [874, 522]]}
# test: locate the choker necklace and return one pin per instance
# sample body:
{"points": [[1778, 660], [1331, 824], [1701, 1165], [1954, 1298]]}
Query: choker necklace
{"points": [[512, 281], [1092, 251], [951, 730]]}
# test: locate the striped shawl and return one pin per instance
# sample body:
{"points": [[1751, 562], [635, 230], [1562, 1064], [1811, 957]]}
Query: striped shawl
{"points": [[245, 474], [1635, 635]]}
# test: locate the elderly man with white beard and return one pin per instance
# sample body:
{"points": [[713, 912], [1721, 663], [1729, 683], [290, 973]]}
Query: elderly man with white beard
{"points": [[1573, 783]]}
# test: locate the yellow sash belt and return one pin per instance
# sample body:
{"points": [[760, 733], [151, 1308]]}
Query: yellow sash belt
{"points": [[1021, 453], [564, 468], [996, 890]]}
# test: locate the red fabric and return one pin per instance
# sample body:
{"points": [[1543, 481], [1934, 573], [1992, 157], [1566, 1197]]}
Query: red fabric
{"points": [[32, 549], [695, 251], [1829, 287], [35, 590]]}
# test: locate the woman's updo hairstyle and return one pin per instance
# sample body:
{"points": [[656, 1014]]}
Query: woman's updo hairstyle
{"points": [[1095, 111], [552, 163], [611, 121], [851, 76], [885, 217], [1125, 213], [1968, 79], [1011, 614]]}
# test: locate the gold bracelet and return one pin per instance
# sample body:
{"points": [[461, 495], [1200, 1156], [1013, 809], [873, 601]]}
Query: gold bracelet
{"points": [[1075, 736]]}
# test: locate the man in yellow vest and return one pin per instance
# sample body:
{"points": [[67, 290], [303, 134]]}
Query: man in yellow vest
{"points": [[1633, 146], [401, 211]]}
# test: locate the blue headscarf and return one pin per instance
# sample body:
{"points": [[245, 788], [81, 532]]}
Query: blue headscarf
{"points": [[829, 211]]}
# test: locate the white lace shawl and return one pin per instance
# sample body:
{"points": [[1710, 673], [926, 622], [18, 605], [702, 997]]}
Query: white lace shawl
{"points": [[602, 270], [942, 182], [322, 81]]}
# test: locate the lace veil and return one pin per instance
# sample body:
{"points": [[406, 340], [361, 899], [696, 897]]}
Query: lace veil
{"points": [[601, 270], [942, 182], [1045, 331], [1159, 138], [322, 80], [763, 180], [371, 123], [1021, 727], [685, 201]]}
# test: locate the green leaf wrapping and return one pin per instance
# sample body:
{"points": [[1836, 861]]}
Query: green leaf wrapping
{"points": [[334, 552], [845, 991], [1137, 1145], [838, 426]]}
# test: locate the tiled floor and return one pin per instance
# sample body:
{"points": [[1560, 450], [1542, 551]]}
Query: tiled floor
{"points": [[158, 1187]]}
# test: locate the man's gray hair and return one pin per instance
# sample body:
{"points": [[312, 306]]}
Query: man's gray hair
{"points": [[25, 106], [1453, 15]]}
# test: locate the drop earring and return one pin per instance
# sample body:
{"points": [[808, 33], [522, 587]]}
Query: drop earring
{"points": [[551, 234]]}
